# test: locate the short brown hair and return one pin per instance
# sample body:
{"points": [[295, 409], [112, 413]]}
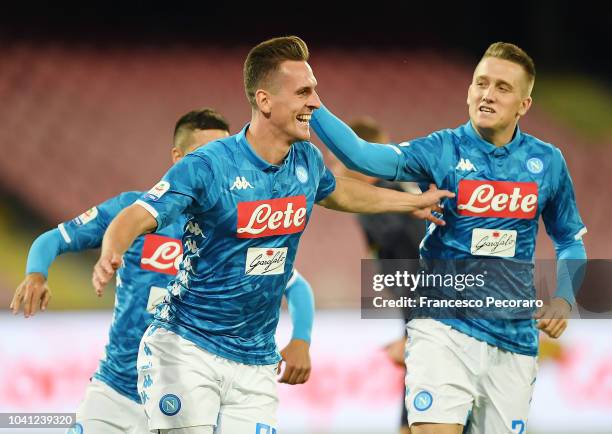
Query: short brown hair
{"points": [[514, 54], [202, 119], [367, 129], [264, 59]]}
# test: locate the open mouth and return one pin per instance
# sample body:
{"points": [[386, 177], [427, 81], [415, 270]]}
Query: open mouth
{"points": [[304, 119], [485, 109]]}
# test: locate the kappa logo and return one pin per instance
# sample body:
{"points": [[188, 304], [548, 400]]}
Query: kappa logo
{"points": [[465, 165], [241, 184]]}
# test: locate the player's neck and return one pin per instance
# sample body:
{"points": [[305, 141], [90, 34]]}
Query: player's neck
{"points": [[266, 144], [496, 137]]}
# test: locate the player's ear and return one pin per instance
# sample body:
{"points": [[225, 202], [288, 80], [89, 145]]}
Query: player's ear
{"points": [[467, 96], [176, 154], [525, 106], [264, 104]]}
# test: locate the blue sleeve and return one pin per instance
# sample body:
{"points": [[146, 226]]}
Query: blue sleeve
{"points": [[81, 233], [87, 230], [560, 215], [565, 228], [44, 250], [426, 159], [571, 264], [373, 159], [189, 186], [300, 301]]}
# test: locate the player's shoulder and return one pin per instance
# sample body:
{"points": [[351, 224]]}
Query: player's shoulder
{"points": [[122, 200], [307, 150], [539, 144], [216, 151], [437, 138], [129, 197]]}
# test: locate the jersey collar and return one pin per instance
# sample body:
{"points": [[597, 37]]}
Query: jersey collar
{"points": [[251, 155], [490, 148]]}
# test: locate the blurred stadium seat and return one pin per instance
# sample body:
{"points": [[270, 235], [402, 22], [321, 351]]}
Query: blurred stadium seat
{"points": [[81, 123]]}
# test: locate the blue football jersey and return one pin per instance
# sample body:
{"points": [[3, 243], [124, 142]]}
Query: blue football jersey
{"points": [[501, 192], [246, 218], [148, 266]]}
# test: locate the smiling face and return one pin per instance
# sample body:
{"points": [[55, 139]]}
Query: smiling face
{"points": [[291, 100], [498, 96]]}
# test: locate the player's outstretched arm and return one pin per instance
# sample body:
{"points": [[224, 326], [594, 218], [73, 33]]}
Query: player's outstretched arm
{"points": [[33, 293], [355, 196], [81, 233], [373, 159], [296, 355], [121, 233]]}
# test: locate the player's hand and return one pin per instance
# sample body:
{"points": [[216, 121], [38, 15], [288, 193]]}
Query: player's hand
{"points": [[296, 356], [396, 350], [104, 270], [429, 202], [552, 318], [33, 294]]}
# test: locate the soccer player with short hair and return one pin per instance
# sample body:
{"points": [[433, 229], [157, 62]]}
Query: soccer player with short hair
{"points": [[112, 403], [208, 360], [504, 180]]}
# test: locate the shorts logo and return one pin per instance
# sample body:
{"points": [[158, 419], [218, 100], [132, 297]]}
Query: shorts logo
{"points": [[262, 428], [264, 218], [158, 190], [493, 199], [161, 254], [86, 217], [535, 165], [302, 174], [170, 404], [77, 428], [264, 261], [423, 400]]}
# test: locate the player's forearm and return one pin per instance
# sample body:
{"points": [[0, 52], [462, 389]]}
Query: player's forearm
{"points": [[370, 158], [43, 252], [125, 228], [571, 261], [300, 301], [358, 197]]}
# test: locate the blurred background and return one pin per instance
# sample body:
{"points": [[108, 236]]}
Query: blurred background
{"points": [[89, 94]]}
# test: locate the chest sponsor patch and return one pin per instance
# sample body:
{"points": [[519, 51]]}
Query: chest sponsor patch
{"points": [[264, 261], [504, 199], [493, 242], [264, 218], [161, 254]]}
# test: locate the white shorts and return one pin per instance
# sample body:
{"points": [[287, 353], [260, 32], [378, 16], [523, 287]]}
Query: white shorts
{"points": [[183, 386], [106, 411], [454, 378]]}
